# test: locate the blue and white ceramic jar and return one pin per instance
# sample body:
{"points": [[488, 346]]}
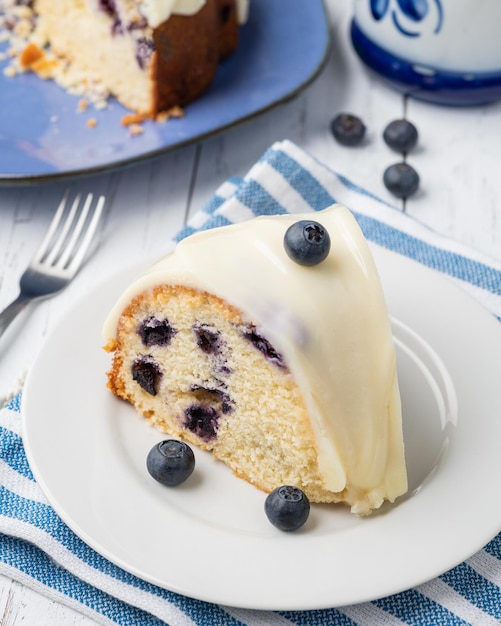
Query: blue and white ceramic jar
{"points": [[442, 51]]}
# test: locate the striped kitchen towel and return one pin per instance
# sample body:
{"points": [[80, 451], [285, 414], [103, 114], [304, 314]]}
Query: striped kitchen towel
{"points": [[39, 550]]}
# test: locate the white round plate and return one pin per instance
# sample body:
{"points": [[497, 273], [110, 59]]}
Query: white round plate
{"points": [[209, 538]]}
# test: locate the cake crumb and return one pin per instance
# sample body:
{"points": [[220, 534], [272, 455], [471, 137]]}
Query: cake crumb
{"points": [[10, 71], [33, 58], [91, 122], [30, 55], [132, 118], [83, 105], [133, 121], [135, 129], [22, 11], [45, 68], [23, 28], [175, 111]]}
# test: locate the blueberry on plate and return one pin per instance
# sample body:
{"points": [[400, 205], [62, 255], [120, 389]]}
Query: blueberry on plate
{"points": [[170, 462], [307, 242], [400, 135], [287, 507], [401, 180], [348, 129]]}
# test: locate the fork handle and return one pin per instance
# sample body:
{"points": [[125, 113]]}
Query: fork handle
{"points": [[11, 311]]}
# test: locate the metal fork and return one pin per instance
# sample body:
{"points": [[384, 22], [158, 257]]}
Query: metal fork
{"points": [[59, 256]]}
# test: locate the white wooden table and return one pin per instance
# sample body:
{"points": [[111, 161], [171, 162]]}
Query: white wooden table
{"points": [[458, 159]]}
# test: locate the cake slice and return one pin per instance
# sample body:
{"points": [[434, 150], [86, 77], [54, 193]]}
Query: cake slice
{"points": [[285, 372]]}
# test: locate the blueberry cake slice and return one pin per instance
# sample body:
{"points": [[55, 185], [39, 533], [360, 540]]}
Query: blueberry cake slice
{"points": [[151, 54], [282, 366]]}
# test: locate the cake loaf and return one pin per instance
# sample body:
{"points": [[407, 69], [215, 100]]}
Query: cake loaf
{"points": [[151, 55], [285, 372]]}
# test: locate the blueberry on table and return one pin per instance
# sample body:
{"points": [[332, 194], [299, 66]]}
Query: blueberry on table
{"points": [[170, 462], [400, 135], [348, 129], [307, 242], [401, 180], [287, 507]]}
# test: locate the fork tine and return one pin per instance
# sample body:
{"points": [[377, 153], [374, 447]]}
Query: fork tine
{"points": [[70, 245], [55, 249], [42, 250], [89, 234]]}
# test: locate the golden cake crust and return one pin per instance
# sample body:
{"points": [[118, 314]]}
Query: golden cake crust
{"points": [[188, 50]]}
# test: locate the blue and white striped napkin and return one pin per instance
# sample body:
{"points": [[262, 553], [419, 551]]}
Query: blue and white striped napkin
{"points": [[37, 549]]}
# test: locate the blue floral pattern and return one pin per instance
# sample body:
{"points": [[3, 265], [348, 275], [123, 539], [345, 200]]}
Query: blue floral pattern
{"points": [[413, 11]]}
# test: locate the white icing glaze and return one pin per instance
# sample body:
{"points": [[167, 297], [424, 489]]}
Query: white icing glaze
{"points": [[330, 322], [157, 11]]}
